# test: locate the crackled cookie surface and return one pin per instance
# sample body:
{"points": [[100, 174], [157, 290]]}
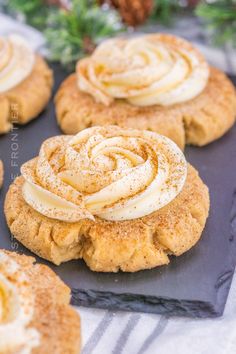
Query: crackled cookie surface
{"points": [[156, 82], [118, 198], [35, 316], [25, 82]]}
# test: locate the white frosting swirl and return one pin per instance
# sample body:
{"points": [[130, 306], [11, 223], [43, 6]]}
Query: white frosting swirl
{"points": [[16, 309], [149, 70], [16, 61], [109, 172]]}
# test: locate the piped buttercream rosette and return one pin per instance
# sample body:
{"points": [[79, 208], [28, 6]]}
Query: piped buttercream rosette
{"points": [[109, 172], [149, 70], [16, 309], [17, 59]]}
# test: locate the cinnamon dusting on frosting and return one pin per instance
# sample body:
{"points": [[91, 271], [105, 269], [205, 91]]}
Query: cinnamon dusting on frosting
{"points": [[113, 173], [149, 70]]}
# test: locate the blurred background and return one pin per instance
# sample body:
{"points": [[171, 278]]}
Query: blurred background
{"points": [[71, 29]]}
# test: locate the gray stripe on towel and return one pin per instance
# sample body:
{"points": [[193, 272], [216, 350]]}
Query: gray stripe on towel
{"points": [[159, 328], [124, 336], [98, 333]]}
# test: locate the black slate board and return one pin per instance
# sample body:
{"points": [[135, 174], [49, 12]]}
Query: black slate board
{"points": [[195, 284]]}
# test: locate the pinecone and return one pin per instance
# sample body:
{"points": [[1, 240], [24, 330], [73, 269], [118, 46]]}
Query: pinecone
{"points": [[63, 4], [133, 12], [192, 3], [88, 45]]}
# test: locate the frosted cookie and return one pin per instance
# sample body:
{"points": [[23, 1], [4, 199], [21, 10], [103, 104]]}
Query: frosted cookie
{"points": [[155, 82], [25, 82], [35, 315], [118, 198], [1, 173]]}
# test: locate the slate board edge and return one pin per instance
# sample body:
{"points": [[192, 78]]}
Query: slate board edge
{"points": [[167, 306], [153, 304], [140, 303]]}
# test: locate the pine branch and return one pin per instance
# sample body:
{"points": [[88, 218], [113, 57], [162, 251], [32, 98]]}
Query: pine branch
{"points": [[35, 12], [220, 19], [75, 33], [164, 10]]}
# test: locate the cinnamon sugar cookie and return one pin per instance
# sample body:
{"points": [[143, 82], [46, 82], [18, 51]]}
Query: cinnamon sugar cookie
{"points": [[25, 82], [35, 315], [118, 198], [156, 82]]}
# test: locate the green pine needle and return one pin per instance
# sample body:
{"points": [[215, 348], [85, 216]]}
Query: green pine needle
{"points": [[164, 11], [220, 18], [35, 12], [68, 31]]}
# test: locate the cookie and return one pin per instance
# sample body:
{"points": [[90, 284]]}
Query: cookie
{"points": [[35, 316], [25, 83], [157, 82], [1, 173], [121, 199]]}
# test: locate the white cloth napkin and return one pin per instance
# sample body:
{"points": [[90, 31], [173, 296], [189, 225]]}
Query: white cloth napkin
{"points": [[106, 332], [137, 333], [9, 26]]}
